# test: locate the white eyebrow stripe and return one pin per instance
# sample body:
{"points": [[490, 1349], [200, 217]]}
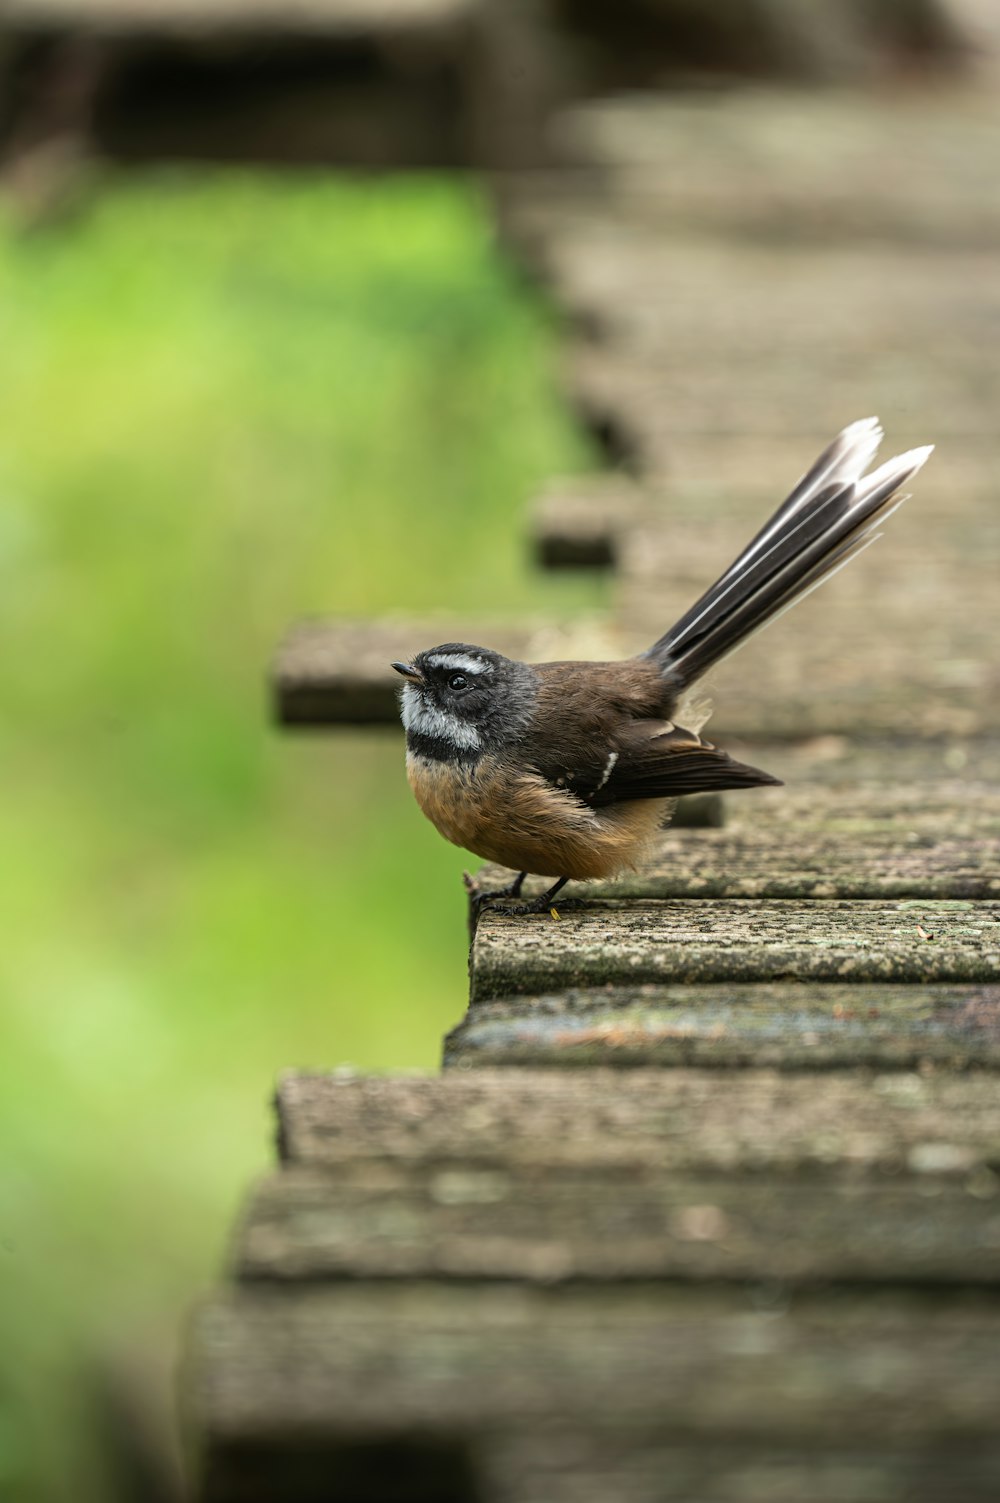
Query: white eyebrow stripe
{"points": [[458, 660], [424, 719], [609, 768]]}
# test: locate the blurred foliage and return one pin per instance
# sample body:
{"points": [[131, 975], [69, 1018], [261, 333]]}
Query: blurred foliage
{"points": [[225, 401]]}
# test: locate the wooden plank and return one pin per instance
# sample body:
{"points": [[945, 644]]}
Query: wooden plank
{"points": [[843, 1371], [413, 1219], [338, 672], [899, 644], [656, 398], [923, 840], [871, 658], [684, 1121], [795, 842], [196, 17], [787, 1025], [664, 1470], [790, 165], [729, 482], [734, 939], [852, 762], [678, 388], [577, 522], [565, 1464], [824, 305]]}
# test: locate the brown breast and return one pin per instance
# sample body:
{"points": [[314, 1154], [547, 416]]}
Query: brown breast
{"points": [[522, 822]]}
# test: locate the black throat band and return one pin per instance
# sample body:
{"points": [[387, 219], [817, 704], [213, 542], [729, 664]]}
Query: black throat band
{"points": [[440, 749]]}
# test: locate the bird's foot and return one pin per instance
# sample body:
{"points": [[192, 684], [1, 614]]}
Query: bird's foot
{"points": [[541, 904], [477, 898]]}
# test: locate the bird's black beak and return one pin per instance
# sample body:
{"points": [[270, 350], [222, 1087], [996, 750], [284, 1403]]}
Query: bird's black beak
{"points": [[408, 671]]}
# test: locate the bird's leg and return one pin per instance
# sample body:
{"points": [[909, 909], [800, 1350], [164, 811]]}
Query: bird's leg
{"points": [[545, 899], [477, 898], [541, 904]]}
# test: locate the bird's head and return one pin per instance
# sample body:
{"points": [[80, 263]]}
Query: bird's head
{"points": [[459, 701]]}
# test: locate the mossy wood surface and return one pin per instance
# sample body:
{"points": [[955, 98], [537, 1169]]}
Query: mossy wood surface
{"points": [[792, 1025], [883, 1367], [735, 939], [495, 1280], [409, 1219], [196, 18], [934, 839], [685, 1121], [777, 1280]]}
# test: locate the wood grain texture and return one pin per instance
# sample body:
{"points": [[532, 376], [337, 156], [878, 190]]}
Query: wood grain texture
{"points": [[928, 839], [900, 645], [656, 397], [789, 1025], [685, 1121], [476, 1279], [799, 309], [616, 275], [422, 1220], [563, 1462], [563, 1466], [422, 1358], [338, 672], [349, 18], [737, 939], [680, 1282], [787, 167]]}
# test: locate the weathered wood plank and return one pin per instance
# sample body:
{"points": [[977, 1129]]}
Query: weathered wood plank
{"points": [[233, 17], [848, 669], [577, 523], [606, 262], [418, 1220], [790, 1025], [727, 481], [651, 397], [338, 672], [617, 277], [736, 939], [932, 839], [562, 1464], [665, 1471], [492, 1176], [788, 165], [421, 1358], [851, 761], [683, 1121], [900, 644]]}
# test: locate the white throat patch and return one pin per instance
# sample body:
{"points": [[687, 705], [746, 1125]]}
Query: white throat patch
{"points": [[425, 719]]}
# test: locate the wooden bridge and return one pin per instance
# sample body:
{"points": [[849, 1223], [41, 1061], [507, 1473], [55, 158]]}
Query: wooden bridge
{"points": [[764, 1260]]}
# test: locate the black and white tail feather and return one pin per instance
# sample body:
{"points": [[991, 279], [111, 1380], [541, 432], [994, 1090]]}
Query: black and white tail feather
{"points": [[830, 517]]}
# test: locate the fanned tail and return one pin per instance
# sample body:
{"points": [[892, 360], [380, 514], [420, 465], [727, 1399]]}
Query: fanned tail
{"points": [[830, 517]]}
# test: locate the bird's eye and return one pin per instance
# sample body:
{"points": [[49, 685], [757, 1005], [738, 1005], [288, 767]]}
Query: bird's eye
{"points": [[458, 681]]}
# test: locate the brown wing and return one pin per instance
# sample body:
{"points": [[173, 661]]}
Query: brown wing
{"points": [[667, 765], [608, 737], [587, 715]]}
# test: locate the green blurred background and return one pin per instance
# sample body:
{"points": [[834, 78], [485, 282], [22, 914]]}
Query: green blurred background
{"points": [[226, 400]]}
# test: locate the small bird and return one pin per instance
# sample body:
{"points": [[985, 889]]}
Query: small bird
{"points": [[569, 770]]}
